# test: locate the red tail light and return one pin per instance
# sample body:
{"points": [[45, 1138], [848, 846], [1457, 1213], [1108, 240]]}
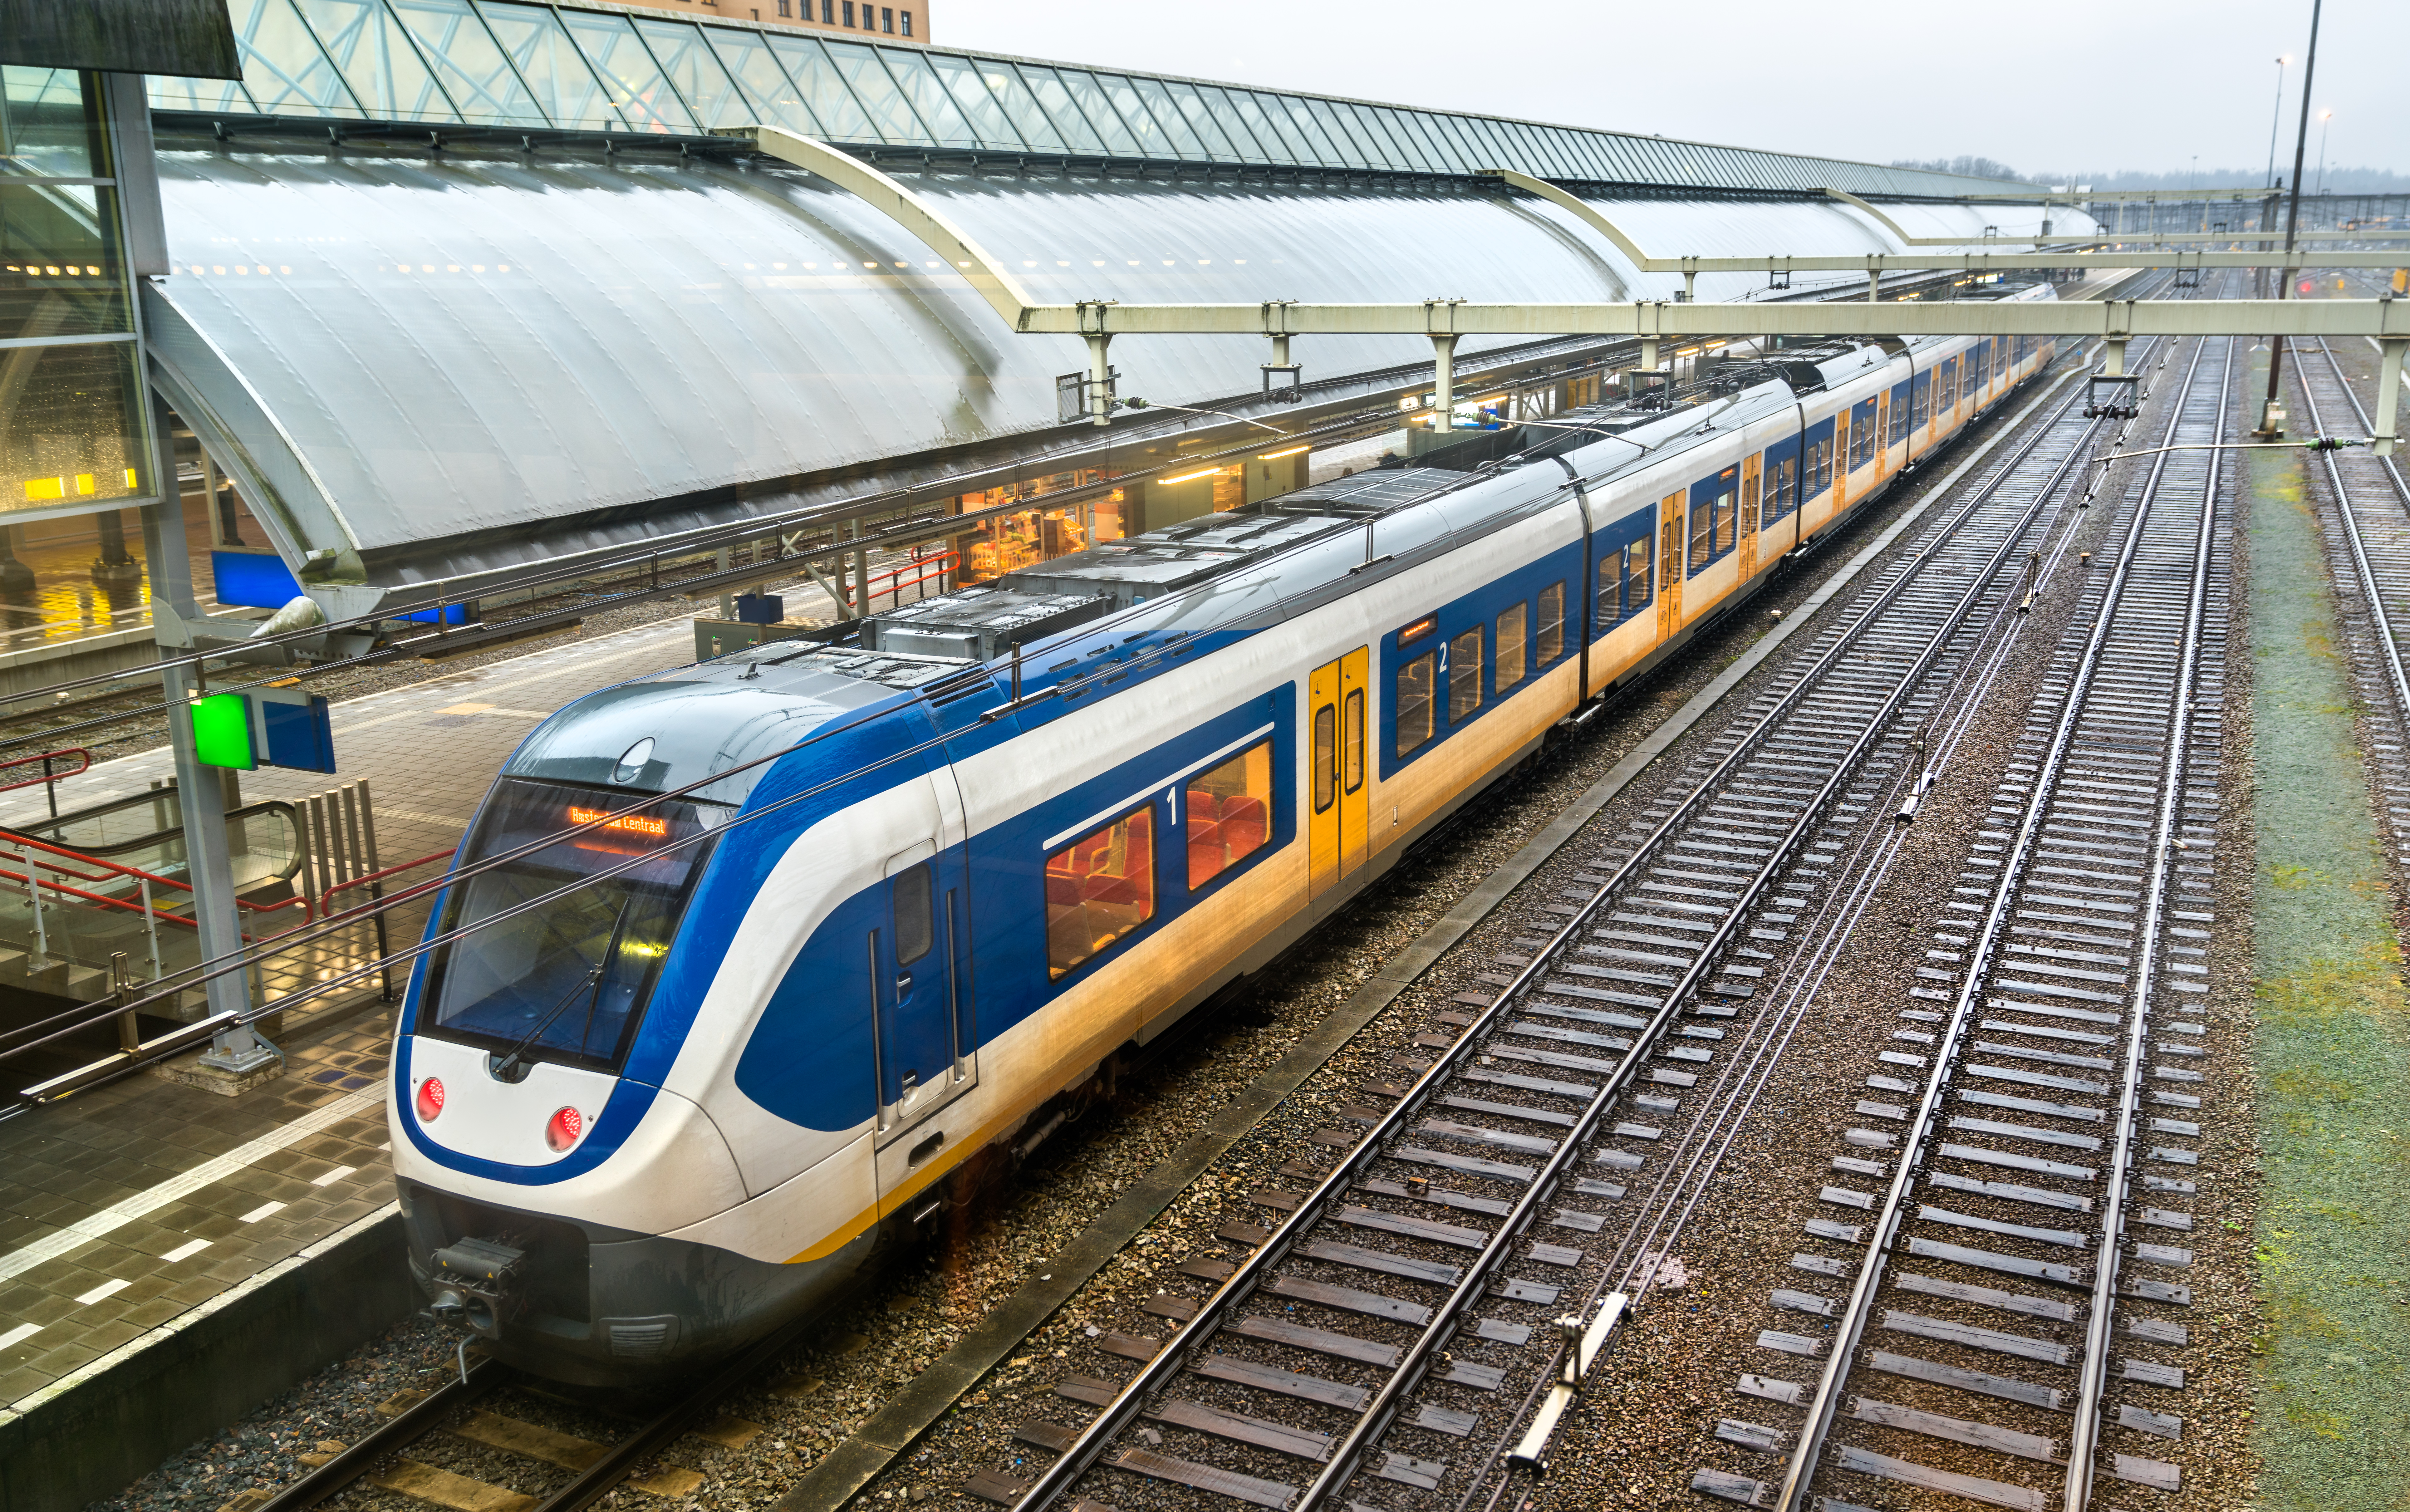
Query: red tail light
{"points": [[565, 1130], [429, 1101]]}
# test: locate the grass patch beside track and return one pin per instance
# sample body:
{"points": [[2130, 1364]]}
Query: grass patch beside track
{"points": [[2332, 1047]]}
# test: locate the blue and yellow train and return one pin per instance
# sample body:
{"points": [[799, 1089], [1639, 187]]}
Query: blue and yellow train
{"points": [[765, 948]]}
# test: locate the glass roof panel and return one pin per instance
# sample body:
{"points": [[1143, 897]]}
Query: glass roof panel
{"points": [[910, 69], [978, 107], [1232, 118], [469, 64], [387, 76], [841, 116], [1054, 98], [1090, 97], [549, 63], [1020, 107], [1373, 133], [688, 62], [1408, 139], [1200, 117], [1153, 139], [1351, 152], [627, 70], [1315, 149], [282, 63], [1159, 102], [214, 96], [1268, 120], [775, 99], [891, 114]]}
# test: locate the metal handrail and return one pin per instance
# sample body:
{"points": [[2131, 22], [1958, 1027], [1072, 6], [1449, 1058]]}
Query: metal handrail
{"points": [[47, 777], [376, 877], [26, 842]]}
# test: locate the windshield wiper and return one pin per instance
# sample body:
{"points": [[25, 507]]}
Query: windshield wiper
{"points": [[592, 979]]}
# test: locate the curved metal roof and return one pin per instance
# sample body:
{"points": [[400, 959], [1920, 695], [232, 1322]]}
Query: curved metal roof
{"points": [[415, 350], [500, 64]]}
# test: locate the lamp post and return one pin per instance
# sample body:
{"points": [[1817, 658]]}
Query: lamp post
{"points": [[2271, 417], [2325, 123], [2275, 117]]}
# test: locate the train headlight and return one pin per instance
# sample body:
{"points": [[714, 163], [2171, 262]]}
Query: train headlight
{"points": [[430, 1101], [567, 1126]]}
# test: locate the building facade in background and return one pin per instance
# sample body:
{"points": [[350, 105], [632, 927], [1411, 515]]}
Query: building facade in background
{"points": [[886, 24]]}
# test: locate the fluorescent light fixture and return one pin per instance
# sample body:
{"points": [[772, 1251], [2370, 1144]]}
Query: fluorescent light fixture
{"points": [[1287, 451], [1191, 477]]}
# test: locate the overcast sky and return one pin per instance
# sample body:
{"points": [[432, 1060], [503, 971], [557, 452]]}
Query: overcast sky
{"points": [[2138, 85]]}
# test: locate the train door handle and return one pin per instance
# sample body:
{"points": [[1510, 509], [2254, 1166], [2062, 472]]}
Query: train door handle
{"points": [[903, 985]]}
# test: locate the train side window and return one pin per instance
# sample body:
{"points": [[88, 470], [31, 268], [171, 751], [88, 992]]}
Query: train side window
{"points": [[1898, 417], [1614, 567], [1552, 622], [916, 914], [1230, 812], [1725, 511], [1351, 742], [1514, 642], [1781, 486], [1702, 537], [1464, 676], [1326, 756], [1636, 578], [1749, 503], [1416, 684], [1098, 888]]}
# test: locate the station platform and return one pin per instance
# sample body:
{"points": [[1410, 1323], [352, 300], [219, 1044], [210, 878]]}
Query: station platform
{"points": [[123, 1208]]}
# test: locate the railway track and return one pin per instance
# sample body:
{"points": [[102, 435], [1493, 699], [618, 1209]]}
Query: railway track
{"points": [[2364, 503], [525, 1456], [1406, 1319], [1999, 1251]]}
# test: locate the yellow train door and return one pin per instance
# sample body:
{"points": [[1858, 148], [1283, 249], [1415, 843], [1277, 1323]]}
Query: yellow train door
{"points": [[1748, 508], [1669, 565], [1882, 454], [1339, 796]]}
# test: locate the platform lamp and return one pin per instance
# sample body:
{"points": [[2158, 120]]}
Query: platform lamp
{"points": [[2272, 413]]}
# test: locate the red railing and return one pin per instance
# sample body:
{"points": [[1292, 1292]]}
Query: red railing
{"points": [[922, 569], [96, 872], [48, 778]]}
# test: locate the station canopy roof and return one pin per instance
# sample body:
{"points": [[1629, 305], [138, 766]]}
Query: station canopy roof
{"points": [[456, 361]]}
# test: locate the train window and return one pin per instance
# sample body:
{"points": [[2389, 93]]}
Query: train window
{"points": [[1351, 742], [916, 914], [1920, 395], [1099, 889], [1230, 813], [1749, 503], [1818, 473], [1636, 576], [1947, 376], [1326, 756], [1781, 486], [1862, 436], [1464, 674], [1613, 568], [1898, 417], [1416, 685], [1514, 639], [1726, 514], [1552, 622], [1702, 537], [618, 892]]}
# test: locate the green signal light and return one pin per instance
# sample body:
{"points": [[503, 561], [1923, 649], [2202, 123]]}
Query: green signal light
{"points": [[222, 731]]}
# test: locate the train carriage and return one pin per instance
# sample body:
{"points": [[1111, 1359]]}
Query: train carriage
{"points": [[752, 957]]}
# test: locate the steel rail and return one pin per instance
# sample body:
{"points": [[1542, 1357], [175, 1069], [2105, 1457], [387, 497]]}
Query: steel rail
{"points": [[405, 1427], [1806, 1458], [2093, 1373], [1083, 1453]]}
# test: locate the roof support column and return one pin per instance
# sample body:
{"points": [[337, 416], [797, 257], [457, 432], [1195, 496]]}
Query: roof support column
{"points": [[2388, 394], [1100, 378], [1443, 380], [200, 791]]}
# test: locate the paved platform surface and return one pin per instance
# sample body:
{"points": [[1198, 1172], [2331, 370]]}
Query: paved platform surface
{"points": [[124, 1207]]}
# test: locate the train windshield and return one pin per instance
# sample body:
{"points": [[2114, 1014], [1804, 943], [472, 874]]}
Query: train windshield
{"points": [[568, 978]]}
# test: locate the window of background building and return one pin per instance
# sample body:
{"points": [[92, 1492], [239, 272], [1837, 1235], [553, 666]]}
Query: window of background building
{"points": [[1099, 889], [1464, 674], [1230, 813], [886, 20], [908, 23], [1414, 689]]}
